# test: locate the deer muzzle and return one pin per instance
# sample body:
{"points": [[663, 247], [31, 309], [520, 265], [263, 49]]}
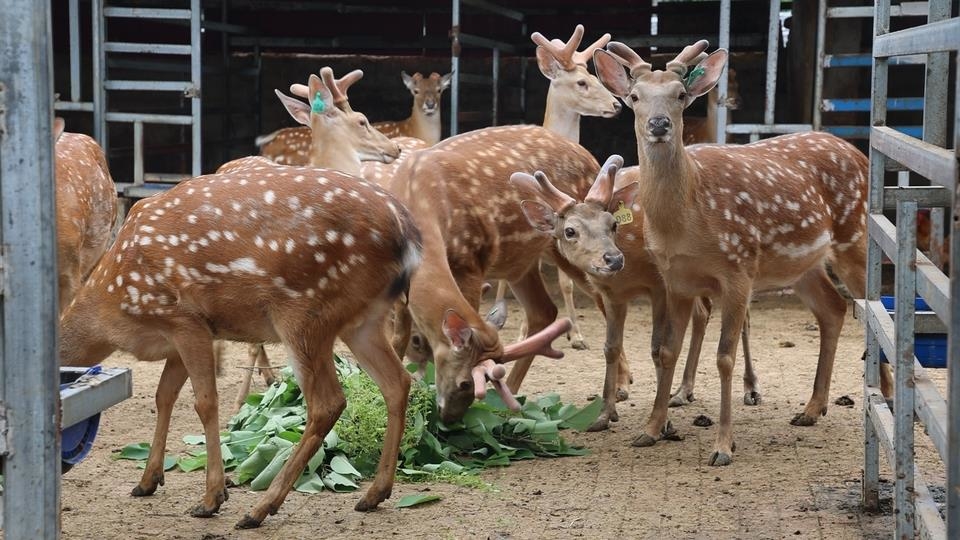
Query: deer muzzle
{"points": [[659, 127]]}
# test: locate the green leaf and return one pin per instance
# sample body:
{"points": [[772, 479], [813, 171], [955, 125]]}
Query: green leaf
{"points": [[309, 483], [136, 451], [169, 462], [266, 476], [417, 499], [194, 440], [194, 463], [338, 482], [342, 465], [582, 419]]}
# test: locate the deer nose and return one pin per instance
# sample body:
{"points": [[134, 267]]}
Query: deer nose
{"points": [[617, 106], [614, 260], [429, 103], [658, 125]]}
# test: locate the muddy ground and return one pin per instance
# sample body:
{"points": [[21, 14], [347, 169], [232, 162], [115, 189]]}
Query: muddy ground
{"points": [[785, 481]]}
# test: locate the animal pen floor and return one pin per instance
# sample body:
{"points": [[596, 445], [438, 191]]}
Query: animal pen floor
{"points": [[785, 481]]}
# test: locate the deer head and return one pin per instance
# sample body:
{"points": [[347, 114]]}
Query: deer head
{"points": [[341, 138], [426, 91], [658, 98], [572, 87], [585, 232]]}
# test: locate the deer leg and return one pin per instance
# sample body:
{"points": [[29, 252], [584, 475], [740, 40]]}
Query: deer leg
{"points": [[701, 315], [734, 309], [819, 295], [171, 381], [244, 390], [219, 356], [751, 383], [402, 328], [665, 360], [263, 366], [616, 314], [313, 364], [566, 288], [196, 350], [540, 312], [373, 353]]}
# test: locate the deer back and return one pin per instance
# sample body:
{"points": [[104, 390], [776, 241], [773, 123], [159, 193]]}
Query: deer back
{"points": [[245, 255], [86, 209], [287, 146], [382, 173]]}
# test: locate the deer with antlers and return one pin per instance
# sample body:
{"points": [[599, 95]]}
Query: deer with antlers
{"points": [[290, 254], [86, 208], [459, 193], [723, 220], [425, 121]]}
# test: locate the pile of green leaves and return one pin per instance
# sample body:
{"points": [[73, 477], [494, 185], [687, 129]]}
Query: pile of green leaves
{"points": [[260, 438]]}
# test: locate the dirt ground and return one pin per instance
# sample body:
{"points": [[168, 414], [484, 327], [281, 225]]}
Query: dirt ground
{"points": [[785, 481]]}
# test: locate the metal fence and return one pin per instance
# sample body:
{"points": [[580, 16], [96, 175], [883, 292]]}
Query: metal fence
{"points": [[915, 394]]}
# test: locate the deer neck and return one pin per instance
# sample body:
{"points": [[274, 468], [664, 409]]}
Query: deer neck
{"points": [[712, 111], [561, 120], [668, 186], [79, 344], [425, 127], [335, 155]]}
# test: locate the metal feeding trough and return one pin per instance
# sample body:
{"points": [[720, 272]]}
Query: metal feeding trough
{"points": [[930, 339], [84, 393]]}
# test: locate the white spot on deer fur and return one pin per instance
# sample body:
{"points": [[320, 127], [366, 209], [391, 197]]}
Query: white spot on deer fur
{"points": [[796, 251], [322, 283], [134, 294], [119, 281], [332, 235], [213, 235], [288, 246], [134, 276], [109, 288], [332, 272], [274, 245], [348, 239], [217, 268], [146, 241]]}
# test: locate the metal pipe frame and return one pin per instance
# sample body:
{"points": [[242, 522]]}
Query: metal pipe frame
{"points": [[724, 43], [196, 75], [454, 67], [30, 411]]}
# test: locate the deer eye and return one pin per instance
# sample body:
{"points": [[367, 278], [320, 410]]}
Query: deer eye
{"points": [[615, 226], [570, 233], [634, 98], [682, 96], [582, 83]]}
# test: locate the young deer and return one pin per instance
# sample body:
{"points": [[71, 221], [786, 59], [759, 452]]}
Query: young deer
{"points": [[86, 208], [473, 228], [725, 220], [290, 254], [424, 122], [573, 93], [293, 146], [697, 129]]}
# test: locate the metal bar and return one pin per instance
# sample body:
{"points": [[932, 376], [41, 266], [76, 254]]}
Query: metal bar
{"points": [[936, 82], [863, 132], [863, 104], [865, 60], [454, 66], [28, 366], [818, 74], [151, 86], [146, 48], [932, 162], [953, 343], [196, 75], [724, 43], [773, 47], [906, 291], [933, 37], [937, 216], [147, 118], [95, 393], [496, 9], [495, 93], [866, 12], [147, 13], [99, 75], [925, 196], [768, 128], [74, 25], [138, 152], [73, 106]]}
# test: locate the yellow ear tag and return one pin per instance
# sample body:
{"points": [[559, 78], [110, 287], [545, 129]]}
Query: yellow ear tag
{"points": [[623, 215]]}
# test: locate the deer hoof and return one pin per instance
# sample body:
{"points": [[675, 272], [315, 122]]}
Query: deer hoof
{"points": [[669, 433], [248, 522], [643, 441], [720, 459], [363, 505], [802, 419], [680, 399], [752, 398], [602, 423], [201, 511], [622, 394], [140, 491], [579, 345]]}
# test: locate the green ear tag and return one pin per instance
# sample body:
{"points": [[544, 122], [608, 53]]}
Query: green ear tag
{"points": [[623, 215], [317, 105], [694, 74]]}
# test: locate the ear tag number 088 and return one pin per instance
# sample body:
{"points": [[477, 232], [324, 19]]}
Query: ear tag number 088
{"points": [[623, 215]]}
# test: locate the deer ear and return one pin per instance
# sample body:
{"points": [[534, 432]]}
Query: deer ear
{"points": [[456, 329], [625, 195], [705, 75], [445, 81], [611, 73], [297, 109], [320, 98], [407, 80], [58, 127], [547, 63], [539, 215]]}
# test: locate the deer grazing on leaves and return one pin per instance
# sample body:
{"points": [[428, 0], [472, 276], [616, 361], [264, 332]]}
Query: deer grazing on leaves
{"points": [[723, 221], [459, 194], [86, 208], [425, 120], [290, 254], [573, 92]]}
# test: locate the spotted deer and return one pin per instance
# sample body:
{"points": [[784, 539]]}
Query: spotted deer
{"points": [[573, 92], [699, 129], [293, 146], [725, 220], [473, 228], [86, 201], [295, 255], [425, 120]]}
